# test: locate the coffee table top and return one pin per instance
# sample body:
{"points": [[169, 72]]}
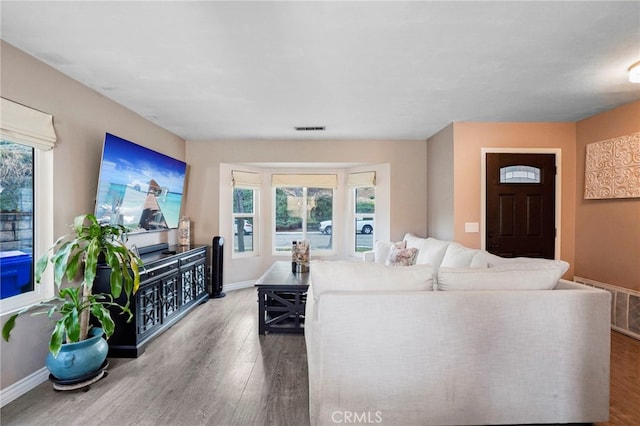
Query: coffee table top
{"points": [[279, 274]]}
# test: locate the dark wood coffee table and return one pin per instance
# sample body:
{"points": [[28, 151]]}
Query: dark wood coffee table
{"points": [[282, 297]]}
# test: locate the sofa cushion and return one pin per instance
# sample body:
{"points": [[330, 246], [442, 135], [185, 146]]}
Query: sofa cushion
{"points": [[401, 256], [430, 250], [458, 256], [340, 275], [510, 276], [482, 259], [383, 248]]}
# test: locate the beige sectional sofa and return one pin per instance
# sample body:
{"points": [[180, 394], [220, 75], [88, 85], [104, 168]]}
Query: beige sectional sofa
{"points": [[431, 344]]}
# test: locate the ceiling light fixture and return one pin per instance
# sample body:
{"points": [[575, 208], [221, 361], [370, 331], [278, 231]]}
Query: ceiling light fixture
{"points": [[634, 73]]}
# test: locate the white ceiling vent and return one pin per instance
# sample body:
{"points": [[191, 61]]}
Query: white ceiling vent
{"points": [[310, 128]]}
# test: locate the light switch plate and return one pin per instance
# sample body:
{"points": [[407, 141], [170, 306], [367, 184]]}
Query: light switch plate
{"points": [[471, 227]]}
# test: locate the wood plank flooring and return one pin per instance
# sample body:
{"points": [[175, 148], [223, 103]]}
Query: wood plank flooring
{"points": [[212, 368]]}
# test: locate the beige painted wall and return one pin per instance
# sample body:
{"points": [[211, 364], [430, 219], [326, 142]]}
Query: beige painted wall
{"points": [[81, 118], [407, 159], [470, 138], [608, 231], [440, 211]]}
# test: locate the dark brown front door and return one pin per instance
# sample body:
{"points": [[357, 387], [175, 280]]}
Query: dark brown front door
{"points": [[521, 204]]}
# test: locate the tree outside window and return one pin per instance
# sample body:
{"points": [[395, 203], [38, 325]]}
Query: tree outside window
{"points": [[243, 220], [299, 212]]}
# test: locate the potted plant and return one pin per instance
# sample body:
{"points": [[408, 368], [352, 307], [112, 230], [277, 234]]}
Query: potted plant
{"points": [[73, 255]]}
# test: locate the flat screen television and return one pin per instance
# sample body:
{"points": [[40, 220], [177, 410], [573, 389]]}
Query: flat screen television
{"points": [[138, 188]]}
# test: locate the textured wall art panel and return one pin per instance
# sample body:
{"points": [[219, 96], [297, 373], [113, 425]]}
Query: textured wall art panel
{"points": [[613, 168]]}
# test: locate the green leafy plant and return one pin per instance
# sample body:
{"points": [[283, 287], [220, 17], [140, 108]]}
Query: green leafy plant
{"points": [[78, 254]]}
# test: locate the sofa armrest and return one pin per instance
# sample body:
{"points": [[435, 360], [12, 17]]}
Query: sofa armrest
{"points": [[369, 256], [439, 351]]}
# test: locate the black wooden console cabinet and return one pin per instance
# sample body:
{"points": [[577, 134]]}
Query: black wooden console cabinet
{"points": [[172, 283]]}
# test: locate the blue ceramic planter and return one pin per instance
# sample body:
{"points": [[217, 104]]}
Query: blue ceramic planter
{"points": [[79, 359]]}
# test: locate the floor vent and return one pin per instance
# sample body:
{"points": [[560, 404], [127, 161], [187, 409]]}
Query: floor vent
{"points": [[625, 306]]}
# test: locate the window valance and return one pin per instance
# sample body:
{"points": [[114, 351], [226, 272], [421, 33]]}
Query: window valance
{"points": [[27, 126], [307, 181], [246, 179], [361, 179]]}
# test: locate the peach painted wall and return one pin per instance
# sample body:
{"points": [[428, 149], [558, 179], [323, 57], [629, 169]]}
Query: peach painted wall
{"points": [[608, 231], [469, 138]]}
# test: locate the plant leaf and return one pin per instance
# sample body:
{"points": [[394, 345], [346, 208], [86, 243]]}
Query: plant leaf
{"points": [[91, 262], [8, 326], [41, 265], [59, 260], [73, 264], [72, 325], [56, 339], [136, 274], [104, 317]]}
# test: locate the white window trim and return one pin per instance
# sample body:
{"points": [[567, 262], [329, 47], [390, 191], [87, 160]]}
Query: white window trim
{"points": [[43, 233], [256, 225], [381, 230], [357, 216]]}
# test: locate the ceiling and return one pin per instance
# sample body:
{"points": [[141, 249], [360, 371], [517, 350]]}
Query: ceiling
{"points": [[365, 70]]}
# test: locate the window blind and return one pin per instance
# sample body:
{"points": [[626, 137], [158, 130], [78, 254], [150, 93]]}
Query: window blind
{"points": [[308, 181], [246, 179], [361, 179], [27, 126]]}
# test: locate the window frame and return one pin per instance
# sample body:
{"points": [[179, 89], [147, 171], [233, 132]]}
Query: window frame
{"points": [[255, 224], [304, 203], [354, 218], [42, 230]]}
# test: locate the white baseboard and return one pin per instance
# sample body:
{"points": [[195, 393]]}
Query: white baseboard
{"points": [[23, 386], [238, 285]]}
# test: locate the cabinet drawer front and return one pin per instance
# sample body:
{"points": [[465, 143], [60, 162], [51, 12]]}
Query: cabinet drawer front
{"points": [[156, 272], [195, 257]]}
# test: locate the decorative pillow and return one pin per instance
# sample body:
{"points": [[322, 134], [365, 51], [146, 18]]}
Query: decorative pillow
{"points": [[430, 250], [401, 256], [341, 275], [513, 276], [382, 249], [458, 256]]}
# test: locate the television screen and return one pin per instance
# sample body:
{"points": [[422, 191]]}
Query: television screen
{"points": [[138, 187]]}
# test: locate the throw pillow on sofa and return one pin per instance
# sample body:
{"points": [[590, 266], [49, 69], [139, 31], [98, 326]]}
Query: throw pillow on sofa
{"points": [[340, 275], [542, 275], [401, 256], [430, 250], [383, 248]]}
